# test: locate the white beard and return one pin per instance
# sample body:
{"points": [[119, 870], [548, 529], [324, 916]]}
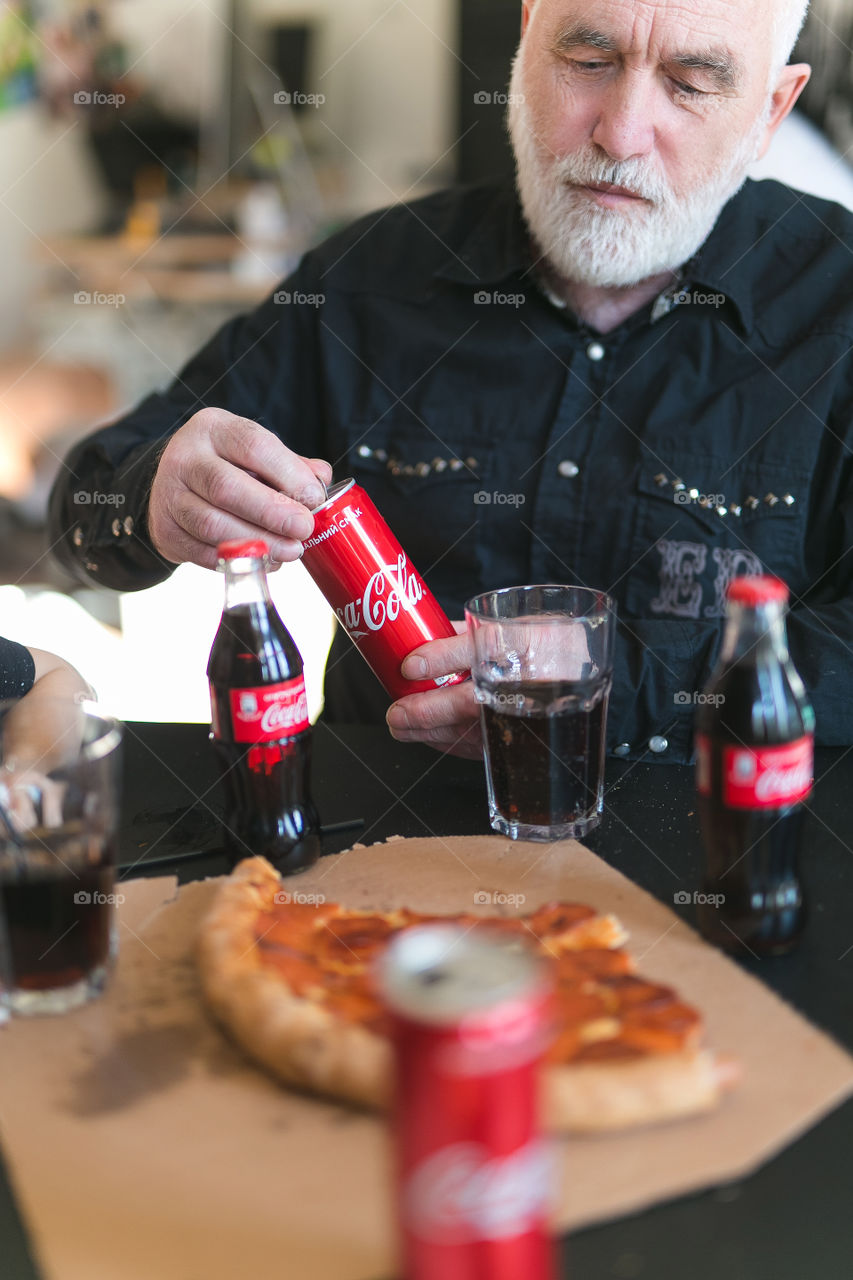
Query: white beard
{"points": [[613, 248]]}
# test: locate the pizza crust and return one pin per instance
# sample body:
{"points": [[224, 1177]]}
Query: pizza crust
{"points": [[305, 1046], [598, 1098], [299, 1042]]}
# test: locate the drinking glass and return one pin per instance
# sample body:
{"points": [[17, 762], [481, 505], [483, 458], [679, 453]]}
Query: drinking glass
{"points": [[59, 814], [542, 672]]}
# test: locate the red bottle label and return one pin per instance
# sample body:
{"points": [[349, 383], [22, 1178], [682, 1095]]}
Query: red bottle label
{"points": [[768, 777], [267, 714]]}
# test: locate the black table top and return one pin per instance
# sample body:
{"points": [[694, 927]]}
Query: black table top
{"points": [[790, 1221]]}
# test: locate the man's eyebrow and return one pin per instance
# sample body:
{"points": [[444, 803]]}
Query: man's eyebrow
{"points": [[580, 35], [718, 64]]}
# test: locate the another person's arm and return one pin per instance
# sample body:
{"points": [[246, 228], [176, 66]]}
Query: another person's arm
{"points": [[41, 728]]}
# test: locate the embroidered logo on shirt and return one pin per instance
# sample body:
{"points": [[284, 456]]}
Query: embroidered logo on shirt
{"points": [[681, 593]]}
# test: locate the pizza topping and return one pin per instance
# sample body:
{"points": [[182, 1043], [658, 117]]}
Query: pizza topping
{"points": [[634, 992], [352, 942], [607, 1051], [602, 1010], [577, 966], [556, 918]]}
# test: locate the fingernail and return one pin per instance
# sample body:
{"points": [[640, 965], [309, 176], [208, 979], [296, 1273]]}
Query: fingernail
{"points": [[313, 496], [414, 667], [283, 551], [396, 717], [298, 527]]}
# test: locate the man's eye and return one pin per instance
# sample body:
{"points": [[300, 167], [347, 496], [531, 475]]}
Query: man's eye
{"points": [[590, 66], [687, 90]]}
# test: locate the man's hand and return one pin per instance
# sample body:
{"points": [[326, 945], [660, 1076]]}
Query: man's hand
{"points": [[448, 718], [222, 477]]}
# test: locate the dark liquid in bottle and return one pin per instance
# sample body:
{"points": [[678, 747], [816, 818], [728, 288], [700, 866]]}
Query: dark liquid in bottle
{"points": [[751, 855], [546, 751], [268, 806]]}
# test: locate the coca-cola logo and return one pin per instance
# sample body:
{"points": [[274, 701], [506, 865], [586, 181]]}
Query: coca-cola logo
{"points": [[463, 1193], [779, 783], [392, 588], [269, 713], [285, 715], [768, 777]]}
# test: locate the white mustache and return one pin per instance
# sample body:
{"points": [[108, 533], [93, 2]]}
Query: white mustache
{"points": [[636, 176]]}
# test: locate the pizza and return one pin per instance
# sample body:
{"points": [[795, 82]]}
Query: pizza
{"points": [[291, 982]]}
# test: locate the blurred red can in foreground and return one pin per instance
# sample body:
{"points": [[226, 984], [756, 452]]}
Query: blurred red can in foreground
{"points": [[471, 1023], [379, 598]]}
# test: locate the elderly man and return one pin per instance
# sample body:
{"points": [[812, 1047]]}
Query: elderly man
{"points": [[630, 371]]}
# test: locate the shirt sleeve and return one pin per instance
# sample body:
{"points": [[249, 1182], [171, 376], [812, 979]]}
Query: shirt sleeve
{"points": [[17, 669], [257, 366]]}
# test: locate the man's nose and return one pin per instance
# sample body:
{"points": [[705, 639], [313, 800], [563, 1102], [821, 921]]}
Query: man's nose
{"points": [[625, 125]]}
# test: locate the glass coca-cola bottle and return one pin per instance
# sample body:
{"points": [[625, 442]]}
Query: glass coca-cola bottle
{"points": [[260, 728], [755, 768]]}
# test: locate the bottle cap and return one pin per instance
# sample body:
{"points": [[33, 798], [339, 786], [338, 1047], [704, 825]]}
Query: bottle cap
{"points": [[754, 591], [253, 548]]}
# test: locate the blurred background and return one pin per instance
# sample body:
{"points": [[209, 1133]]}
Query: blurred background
{"points": [[162, 164]]}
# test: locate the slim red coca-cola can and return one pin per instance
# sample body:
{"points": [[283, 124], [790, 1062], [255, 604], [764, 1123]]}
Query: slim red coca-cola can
{"points": [[379, 598], [471, 1020]]}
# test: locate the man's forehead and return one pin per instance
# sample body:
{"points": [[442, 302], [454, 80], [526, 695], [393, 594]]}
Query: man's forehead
{"points": [[662, 27]]}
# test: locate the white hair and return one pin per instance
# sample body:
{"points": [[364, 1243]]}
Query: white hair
{"points": [[788, 19]]}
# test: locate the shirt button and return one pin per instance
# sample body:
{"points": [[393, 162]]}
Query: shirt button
{"points": [[77, 536], [624, 749], [128, 525], [568, 469], [116, 528], [658, 745], [595, 351]]}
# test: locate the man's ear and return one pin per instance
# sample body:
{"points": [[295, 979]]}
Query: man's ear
{"points": [[790, 85], [526, 7]]}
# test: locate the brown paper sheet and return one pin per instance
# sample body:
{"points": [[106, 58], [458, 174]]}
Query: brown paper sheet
{"points": [[141, 1144]]}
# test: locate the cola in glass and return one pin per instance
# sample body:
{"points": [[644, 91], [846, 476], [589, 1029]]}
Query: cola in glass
{"points": [[545, 744], [755, 770], [260, 728]]}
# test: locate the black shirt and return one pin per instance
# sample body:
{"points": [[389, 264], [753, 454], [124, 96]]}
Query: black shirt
{"points": [[708, 435], [17, 670]]}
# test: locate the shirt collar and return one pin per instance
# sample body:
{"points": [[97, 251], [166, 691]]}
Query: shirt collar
{"points": [[498, 246], [723, 263]]}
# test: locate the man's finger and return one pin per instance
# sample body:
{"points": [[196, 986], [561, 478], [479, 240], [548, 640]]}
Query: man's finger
{"points": [[228, 488], [198, 522], [252, 448], [322, 469], [438, 658], [466, 743], [437, 709]]}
